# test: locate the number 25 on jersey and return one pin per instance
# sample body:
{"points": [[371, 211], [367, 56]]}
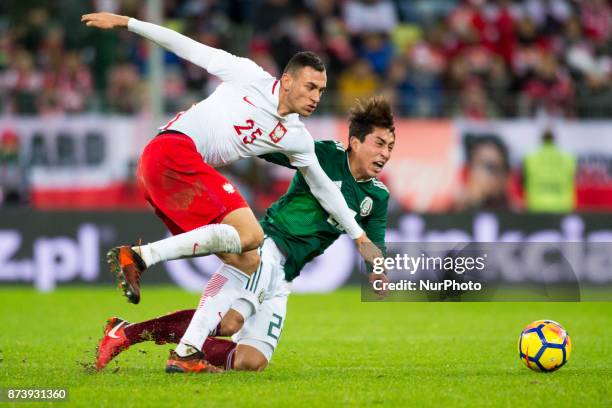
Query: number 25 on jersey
{"points": [[250, 138]]}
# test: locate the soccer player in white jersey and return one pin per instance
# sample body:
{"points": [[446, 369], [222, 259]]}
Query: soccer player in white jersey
{"points": [[251, 113]]}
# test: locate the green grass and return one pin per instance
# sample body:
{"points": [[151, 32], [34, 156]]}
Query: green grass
{"points": [[334, 351]]}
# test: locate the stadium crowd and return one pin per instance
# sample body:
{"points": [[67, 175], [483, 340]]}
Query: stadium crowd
{"points": [[476, 59], [432, 58]]}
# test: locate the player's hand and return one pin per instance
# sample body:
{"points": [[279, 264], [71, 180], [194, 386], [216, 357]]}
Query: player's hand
{"points": [[105, 21], [367, 249], [373, 277]]}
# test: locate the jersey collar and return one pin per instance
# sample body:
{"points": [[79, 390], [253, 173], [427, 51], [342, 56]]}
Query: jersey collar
{"points": [[275, 90]]}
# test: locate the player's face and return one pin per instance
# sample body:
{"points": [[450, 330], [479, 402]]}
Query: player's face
{"points": [[304, 90], [370, 156]]}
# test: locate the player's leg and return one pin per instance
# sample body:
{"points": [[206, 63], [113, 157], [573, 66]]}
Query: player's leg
{"points": [[252, 350], [229, 286], [211, 213], [196, 203], [248, 228], [238, 231], [260, 334], [232, 356], [119, 335], [170, 328], [221, 294]]}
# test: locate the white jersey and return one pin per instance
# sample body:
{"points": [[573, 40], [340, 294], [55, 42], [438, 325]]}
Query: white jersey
{"points": [[240, 118]]}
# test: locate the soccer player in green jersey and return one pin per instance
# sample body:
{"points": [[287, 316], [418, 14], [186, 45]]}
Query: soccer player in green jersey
{"points": [[297, 230]]}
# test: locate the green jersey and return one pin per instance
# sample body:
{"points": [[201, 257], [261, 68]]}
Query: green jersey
{"points": [[302, 229]]}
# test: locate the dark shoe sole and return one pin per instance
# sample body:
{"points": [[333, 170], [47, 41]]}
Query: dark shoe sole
{"points": [[112, 258], [173, 369]]}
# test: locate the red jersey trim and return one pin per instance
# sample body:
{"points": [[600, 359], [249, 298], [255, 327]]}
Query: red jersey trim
{"points": [[274, 86]]}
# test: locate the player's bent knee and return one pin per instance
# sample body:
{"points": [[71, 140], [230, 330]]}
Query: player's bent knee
{"points": [[252, 239], [249, 230], [247, 262], [231, 324], [248, 358]]}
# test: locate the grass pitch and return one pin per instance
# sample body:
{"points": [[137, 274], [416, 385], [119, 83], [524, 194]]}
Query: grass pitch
{"points": [[334, 350]]}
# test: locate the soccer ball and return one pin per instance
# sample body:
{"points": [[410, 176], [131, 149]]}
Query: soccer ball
{"points": [[544, 345]]}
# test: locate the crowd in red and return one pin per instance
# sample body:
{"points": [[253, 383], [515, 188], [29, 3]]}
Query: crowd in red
{"points": [[432, 58]]}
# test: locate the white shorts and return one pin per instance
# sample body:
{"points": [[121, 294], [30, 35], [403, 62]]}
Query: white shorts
{"points": [[262, 330]]}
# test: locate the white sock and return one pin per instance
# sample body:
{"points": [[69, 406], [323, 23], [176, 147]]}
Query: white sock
{"points": [[206, 240], [224, 287], [184, 350]]}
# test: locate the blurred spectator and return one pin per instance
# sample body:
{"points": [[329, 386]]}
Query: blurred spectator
{"points": [[549, 178], [259, 51], [424, 12], [550, 92], [595, 97], [74, 83], [33, 30], [418, 81], [12, 173], [498, 83], [357, 82], [377, 50], [365, 16], [486, 175], [597, 20], [302, 32], [502, 18], [24, 82], [473, 103], [468, 25], [50, 52], [124, 92], [174, 91], [269, 14], [337, 46], [549, 15]]}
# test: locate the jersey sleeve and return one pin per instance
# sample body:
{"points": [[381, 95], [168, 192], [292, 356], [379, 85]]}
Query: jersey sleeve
{"points": [[230, 68], [322, 149], [301, 150], [220, 63], [330, 198], [328, 149], [375, 225]]}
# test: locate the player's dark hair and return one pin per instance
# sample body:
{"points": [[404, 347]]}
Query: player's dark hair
{"points": [[304, 59], [375, 111]]}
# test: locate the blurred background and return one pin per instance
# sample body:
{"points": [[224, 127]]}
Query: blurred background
{"points": [[503, 116]]}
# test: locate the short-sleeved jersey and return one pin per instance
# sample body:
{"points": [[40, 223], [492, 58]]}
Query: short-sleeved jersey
{"points": [[240, 119], [302, 229]]}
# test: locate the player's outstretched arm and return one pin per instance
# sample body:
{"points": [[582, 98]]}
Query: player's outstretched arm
{"points": [[179, 44]]}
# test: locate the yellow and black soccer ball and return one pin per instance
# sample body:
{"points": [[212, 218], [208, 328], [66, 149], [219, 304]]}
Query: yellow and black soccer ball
{"points": [[544, 345]]}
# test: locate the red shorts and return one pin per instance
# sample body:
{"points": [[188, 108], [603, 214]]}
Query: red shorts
{"points": [[186, 192]]}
